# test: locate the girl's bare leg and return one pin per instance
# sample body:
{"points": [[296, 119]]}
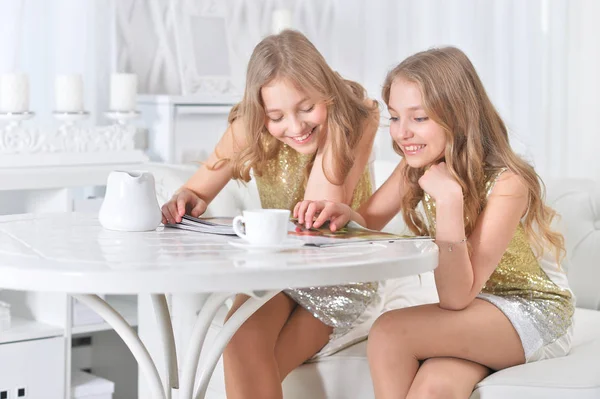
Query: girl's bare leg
{"points": [[301, 338], [446, 378], [275, 340], [399, 339], [251, 370]]}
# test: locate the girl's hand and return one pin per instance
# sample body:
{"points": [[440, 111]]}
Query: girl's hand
{"points": [[184, 201], [338, 214], [440, 184]]}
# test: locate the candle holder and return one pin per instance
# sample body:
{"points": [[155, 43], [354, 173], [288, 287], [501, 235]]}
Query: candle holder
{"points": [[122, 117], [16, 116], [121, 133], [15, 119], [14, 138], [70, 137], [70, 118], [70, 143]]}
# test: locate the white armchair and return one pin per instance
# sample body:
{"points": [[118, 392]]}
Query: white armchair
{"points": [[345, 375]]}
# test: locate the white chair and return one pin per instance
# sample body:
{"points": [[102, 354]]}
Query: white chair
{"points": [[345, 375]]}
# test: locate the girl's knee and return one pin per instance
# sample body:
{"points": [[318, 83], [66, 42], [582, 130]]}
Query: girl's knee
{"points": [[389, 327], [383, 336], [434, 386]]}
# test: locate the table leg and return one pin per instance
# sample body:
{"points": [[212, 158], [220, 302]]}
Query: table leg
{"points": [[203, 321], [224, 336], [163, 319], [131, 339]]}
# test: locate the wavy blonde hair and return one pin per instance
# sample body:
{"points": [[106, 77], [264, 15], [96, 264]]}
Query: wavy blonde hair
{"points": [[477, 142], [290, 55]]}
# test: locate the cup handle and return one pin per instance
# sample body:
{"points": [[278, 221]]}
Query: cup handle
{"points": [[238, 229]]}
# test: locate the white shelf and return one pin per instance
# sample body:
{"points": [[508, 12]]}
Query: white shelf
{"points": [[24, 330], [126, 307]]}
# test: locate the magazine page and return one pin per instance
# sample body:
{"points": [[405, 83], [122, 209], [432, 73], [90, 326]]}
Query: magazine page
{"points": [[321, 237], [211, 225], [351, 233], [224, 221]]}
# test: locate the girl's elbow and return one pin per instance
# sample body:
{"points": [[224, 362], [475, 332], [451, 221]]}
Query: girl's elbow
{"points": [[455, 304], [451, 305]]}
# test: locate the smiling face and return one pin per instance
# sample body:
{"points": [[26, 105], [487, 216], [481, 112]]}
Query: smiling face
{"points": [[292, 116], [421, 140]]}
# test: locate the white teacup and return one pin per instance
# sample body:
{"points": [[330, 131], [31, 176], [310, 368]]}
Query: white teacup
{"points": [[262, 226]]}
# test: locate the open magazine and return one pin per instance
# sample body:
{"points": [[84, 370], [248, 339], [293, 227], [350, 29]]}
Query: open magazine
{"points": [[212, 225], [351, 233], [321, 237]]}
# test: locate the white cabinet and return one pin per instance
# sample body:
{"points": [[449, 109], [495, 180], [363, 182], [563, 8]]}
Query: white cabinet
{"points": [[183, 129], [28, 369], [37, 318]]}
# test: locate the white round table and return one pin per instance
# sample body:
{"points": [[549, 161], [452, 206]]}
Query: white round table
{"points": [[72, 253]]}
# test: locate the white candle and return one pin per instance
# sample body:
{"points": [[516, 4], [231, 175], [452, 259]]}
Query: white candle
{"points": [[69, 93], [281, 20], [123, 91], [14, 93]]}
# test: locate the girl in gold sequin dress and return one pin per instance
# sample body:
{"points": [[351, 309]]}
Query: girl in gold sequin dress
{"points": [[504, 300], [305, 133]]}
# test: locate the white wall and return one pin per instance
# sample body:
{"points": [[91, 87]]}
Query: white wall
{"points": [[44, 38], [539, 59]]}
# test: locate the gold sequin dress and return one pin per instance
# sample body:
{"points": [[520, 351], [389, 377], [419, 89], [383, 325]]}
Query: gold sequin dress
{"points": [[281, 185], [531, 291]]}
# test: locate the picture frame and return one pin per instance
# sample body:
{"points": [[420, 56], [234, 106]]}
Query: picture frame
{"points": [[203, 48]]}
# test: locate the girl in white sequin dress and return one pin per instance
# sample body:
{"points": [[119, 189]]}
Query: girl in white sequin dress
{"points": [[503, 299]]}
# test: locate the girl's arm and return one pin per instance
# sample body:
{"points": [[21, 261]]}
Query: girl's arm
{"points": [[207, 182], [460, 277], [386, 202], [319, 188], [210, 178], [374, 214]]}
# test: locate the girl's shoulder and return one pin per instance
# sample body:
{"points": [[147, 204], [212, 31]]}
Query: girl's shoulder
{"points": [[237, 130], [374, 117], [501, 181], [373, 105]]}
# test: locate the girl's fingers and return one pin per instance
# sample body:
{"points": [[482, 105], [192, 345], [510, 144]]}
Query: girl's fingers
{"points": [[302, 217], [313, 208], [338, 222], [324, 216], [180, 208], [167, 216], [295, 212], [198, 209]]}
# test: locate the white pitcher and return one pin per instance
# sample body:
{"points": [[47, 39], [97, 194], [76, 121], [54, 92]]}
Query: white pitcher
{"points": [[130, 202]]}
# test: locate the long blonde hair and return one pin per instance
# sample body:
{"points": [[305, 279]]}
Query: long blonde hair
{"points": [[477, 142], [292, 56]]}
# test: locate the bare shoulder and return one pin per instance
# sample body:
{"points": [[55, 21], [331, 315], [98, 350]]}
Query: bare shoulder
{"points": [[371, 103], [371, 124], [233, 141], [238, 129], [509, 194], [237, 132], [510, 184], [374, 106]]}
